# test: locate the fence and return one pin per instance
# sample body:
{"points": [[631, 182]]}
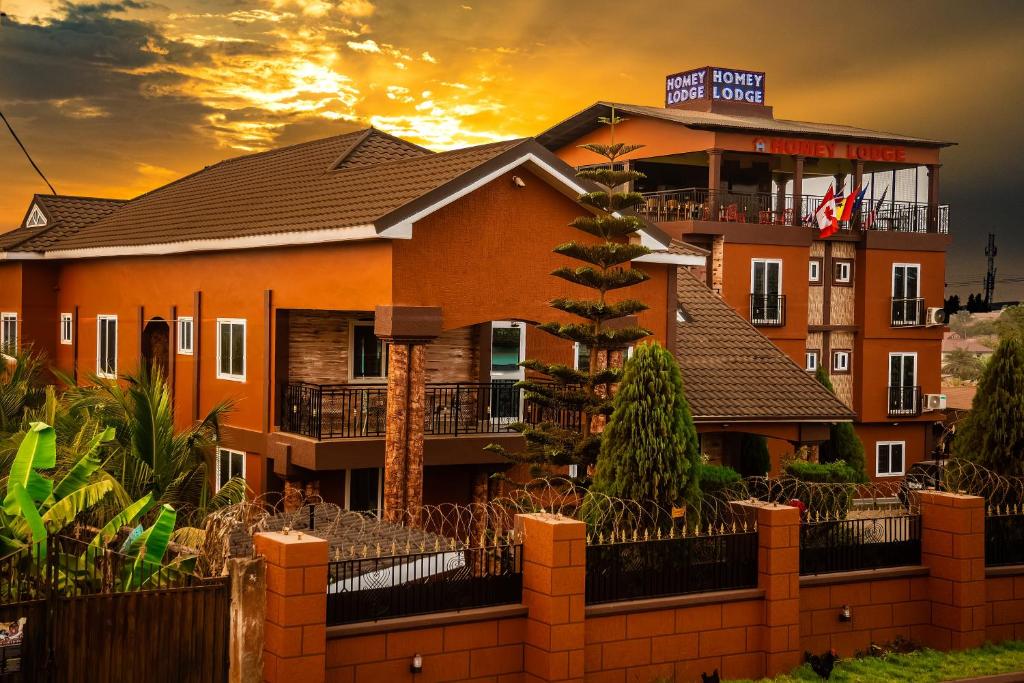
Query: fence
{"points": [[852, 544], [1004, 539], [670, 566], [372, 588]]}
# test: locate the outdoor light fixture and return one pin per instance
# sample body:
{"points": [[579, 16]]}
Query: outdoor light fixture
{"points": [[518, 182], [845, 614], [417, 664]]}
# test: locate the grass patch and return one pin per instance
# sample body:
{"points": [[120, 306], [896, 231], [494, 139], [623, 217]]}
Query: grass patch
{"points": [[922, 666]]}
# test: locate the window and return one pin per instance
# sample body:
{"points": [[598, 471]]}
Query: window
{"points": [[230, 464], [508, 349], [231, 349], [8, 332], [889, 458], [812, 360], [766, 292], [907, 307], [67, 328], [185, 336], [365, 490], [36, 218], [903, 391], [106, 346], [842, 272], [814, 271], [581, 357], [841, 361], [369, 354]]}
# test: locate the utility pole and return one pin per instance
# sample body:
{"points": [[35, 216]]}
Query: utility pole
{"points": [[990, 276]]}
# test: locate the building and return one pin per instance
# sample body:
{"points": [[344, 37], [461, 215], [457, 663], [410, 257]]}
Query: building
{"points": [[363, 302], [723, 173]]}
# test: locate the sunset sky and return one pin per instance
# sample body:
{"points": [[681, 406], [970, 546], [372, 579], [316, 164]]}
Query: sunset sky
{"points": [[115, 98]]}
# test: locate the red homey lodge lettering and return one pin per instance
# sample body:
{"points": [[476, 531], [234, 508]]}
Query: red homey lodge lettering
{"points": [[810, 148]]}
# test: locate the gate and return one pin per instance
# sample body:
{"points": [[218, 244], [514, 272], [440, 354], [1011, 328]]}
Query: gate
{"points": [[92, 615]]}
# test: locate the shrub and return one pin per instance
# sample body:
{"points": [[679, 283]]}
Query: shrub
{"points": [[716, 478], [835, 498], [755, 461]]}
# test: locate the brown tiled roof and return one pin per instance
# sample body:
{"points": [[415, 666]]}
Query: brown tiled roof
{"points": [[343, 181], [732, 372], [952, 343], [572, 128], [65, 215], [961, 397]]}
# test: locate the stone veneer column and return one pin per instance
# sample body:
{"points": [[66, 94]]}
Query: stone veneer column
{"points": [[414, 433], [295, 632], [554, 584], [396, 444], [953, 549]]}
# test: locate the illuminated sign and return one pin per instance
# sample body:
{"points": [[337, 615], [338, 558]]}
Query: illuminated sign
{"points": [[830, 150], [715, 83]]}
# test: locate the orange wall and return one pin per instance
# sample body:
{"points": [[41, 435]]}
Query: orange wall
{"points": [[873, 280], [871, 373], [913, 433], [10, 289], [659, 138]]}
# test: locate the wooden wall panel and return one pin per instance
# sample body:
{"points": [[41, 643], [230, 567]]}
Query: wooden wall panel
{"points": [[453, 356], [318, 346]]}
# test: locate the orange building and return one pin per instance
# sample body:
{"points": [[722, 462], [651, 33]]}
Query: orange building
{"points": [[721, 172]]}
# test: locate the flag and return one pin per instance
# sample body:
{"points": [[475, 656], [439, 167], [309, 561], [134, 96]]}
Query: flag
{"points": [[858, 201], [878, 207], [846, 212], [826, 214], [840, 203]]}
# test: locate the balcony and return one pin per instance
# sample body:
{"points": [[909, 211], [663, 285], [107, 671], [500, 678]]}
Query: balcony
{"points": [[702, 204], [768, 310], [349, 411], [908, 313], [904, 401]]}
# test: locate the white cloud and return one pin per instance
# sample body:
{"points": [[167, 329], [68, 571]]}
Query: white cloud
{"points": [[356, 8], [427, 57], [368, 45]]}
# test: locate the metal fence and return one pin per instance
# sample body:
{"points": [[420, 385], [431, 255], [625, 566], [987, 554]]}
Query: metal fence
{"points": [[907, 313], [904, 401], [670, 566], [1004, 539], [851, 544], [372, 588]]}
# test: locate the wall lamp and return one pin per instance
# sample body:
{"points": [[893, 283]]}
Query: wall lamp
{"points": [[518, 182], [845, 614], [417, 664]]}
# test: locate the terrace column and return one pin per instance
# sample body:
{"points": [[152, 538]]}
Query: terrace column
{"points": [[798, 189], [933, 197], [408, 329], [858, 180], [714, 181]]}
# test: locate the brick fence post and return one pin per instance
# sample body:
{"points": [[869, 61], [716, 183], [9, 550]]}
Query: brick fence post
{"points": [[778, 574], [295, 635], [554, 585], [953, 549]]}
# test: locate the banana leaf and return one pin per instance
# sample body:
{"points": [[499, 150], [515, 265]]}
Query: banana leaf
{"points": [[154, 545], [64, 511], [82, 470], [123, 518], [38, 450], [28, 511]]}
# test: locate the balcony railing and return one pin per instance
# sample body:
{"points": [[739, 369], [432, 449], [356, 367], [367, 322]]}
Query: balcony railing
{"points": [[907, 312], [345, 411], [702, 204], [768, 310], [904, 401]]}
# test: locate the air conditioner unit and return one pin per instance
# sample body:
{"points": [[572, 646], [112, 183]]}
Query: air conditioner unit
{"points": [[935, 316], [933, 402]]}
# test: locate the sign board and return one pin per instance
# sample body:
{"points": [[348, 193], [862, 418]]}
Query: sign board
{"points": [[830, 150], [715, 83]]}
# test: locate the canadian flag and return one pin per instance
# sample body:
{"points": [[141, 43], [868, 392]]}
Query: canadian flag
{"points": [[826, 215]]}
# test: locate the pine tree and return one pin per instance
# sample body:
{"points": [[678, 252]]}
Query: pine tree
{"points": [[562, 394], [649, 451], [992, 434], [843, 442]]}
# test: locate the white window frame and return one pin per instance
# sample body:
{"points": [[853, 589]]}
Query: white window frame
{"points": [[811, 359], [520, 372], [836, 355], [903, 295], [8, 345], [846, 268], [385, 351], [903, 458], [380, 489], [814, 271], [766, 261], [216, 466], [67, 328], [901, 354], [184, 350], [100, 320], [245, 337], [36, 218], [576, 357]]}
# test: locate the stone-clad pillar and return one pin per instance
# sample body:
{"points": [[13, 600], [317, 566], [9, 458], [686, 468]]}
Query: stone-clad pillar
{"points": [[408, 329], [798, 189]]}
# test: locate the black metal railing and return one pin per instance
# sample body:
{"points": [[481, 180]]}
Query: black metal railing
{"points": [[671, 566], [368, 589], [907, 312], [904, 401], [345, 411], [853, 544], [768, 310], [702, 204], [1004, 539]]}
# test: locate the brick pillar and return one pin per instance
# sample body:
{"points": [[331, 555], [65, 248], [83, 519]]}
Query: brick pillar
{"points": [[554, 579], [778, 574], [953, 549], [295, 634]]}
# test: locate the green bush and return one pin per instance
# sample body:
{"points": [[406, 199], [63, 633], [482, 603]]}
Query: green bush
{"points": [[833, 500], [755, 461], [836, 472], [716, 478]]}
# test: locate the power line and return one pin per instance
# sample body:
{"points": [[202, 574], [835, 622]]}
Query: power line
{"points": [[27, 155]]}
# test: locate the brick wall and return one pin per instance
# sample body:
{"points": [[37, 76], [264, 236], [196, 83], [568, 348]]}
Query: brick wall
{"points": [[1004, 604]]}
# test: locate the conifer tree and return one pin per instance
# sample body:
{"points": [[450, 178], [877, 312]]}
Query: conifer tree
{"points": [[843, 442], [649, 451], [574, 403], [992, 434]]}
